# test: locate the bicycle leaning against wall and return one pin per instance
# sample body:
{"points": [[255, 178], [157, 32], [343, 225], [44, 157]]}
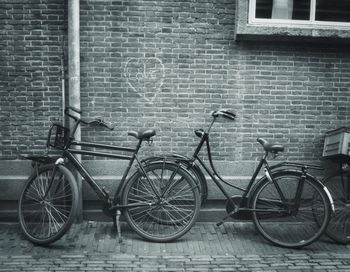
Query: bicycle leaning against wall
{"points": [[289, 207], [336, 151], [339, 186], [155, 192]]}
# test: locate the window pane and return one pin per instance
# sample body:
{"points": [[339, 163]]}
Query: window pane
{"points": [[283, 9], [263, 9], [335, 10], [301, 10]]}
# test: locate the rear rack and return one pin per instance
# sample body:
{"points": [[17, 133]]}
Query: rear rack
{"points": [[297, 165]]}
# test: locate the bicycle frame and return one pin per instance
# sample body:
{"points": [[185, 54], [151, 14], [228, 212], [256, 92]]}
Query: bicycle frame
{"points": [[216, 177], [218, 180], [101, 193], [69, 152], [156, 194]]}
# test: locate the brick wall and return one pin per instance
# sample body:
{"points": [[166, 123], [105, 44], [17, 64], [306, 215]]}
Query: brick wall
{"points": [[167, 64], [30, 73]]}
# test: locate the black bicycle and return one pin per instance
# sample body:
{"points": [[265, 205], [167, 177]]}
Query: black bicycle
{"points": [[155, 193], [338, 184], [289, 207]]}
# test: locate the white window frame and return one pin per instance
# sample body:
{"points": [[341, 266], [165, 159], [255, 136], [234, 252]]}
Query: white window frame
{"points": [[288, 22]]}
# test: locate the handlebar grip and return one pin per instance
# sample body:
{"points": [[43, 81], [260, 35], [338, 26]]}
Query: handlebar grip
{"points": [[214, 113], [102, 124], [94, 122], [224, 113]]}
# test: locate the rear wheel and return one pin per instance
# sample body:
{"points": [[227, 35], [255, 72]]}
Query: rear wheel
{"points": [[47, 204], [163, 205], [300, 219], [339, 226]]}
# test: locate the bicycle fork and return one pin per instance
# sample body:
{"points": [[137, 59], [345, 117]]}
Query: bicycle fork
{"points": [[57, 163]]}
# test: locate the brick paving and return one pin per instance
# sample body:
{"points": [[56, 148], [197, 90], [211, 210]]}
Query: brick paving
{"points": [[234, 246]]}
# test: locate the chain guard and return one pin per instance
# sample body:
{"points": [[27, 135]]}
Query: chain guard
{"points": [[238, 208], [106, 209]]}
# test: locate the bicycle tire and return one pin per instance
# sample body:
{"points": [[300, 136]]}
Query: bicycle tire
{"points": [[167, 218], [281, 226], [45, 220], [164, 220], [339, 225]]}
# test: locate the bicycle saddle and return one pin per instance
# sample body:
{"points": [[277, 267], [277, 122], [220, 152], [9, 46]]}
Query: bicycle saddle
{"points": [[142, 134], [274, 148]]}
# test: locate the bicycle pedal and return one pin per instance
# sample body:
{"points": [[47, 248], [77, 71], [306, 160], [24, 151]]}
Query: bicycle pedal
{"points": [[219, 223]]}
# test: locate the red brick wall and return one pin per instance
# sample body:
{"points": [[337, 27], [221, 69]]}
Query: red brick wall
{"points": [[167, 64]]}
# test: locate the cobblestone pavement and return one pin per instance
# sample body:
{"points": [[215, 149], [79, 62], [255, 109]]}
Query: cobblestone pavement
{"points": [[93, 246]]}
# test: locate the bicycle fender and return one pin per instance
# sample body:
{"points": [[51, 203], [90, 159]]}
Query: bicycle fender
{"points": [[51, 166], [188, 162], [147, 161], [265, 177], [167, 162], [279, 171], [325, 189], [138, 172]]}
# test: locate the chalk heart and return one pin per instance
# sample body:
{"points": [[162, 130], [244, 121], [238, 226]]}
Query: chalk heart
{"points": [[145, 76]]}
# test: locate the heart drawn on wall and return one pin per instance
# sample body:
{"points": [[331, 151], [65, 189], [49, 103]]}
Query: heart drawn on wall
{"points": [[145, 76]]}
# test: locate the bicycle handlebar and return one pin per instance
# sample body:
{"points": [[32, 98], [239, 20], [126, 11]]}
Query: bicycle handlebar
{"points": [[224, 113], [66, 112], [97, 121], [102, 124], [74, 109]]}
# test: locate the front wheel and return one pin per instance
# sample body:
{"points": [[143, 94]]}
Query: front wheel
{"points": [[339, 226], [290, 211], [47, 204], [163, 204]]}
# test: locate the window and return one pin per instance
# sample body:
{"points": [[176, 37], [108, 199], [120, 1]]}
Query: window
{"points": [[322, 12], [305, 20]]}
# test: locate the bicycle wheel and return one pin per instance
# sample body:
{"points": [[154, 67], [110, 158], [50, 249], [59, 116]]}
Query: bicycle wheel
{"points": [[339, 226], [163, 205], [47, 204], [192, 169], [295, 222]]}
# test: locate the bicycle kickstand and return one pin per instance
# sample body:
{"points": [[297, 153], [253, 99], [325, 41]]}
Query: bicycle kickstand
{"points": [[117, 225]]}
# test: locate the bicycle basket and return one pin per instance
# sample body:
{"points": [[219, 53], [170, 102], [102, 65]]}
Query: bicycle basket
{"points": [[58, 136]]}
